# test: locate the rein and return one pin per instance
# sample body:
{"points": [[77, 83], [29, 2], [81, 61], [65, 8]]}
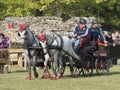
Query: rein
{"points": [[34, 40]]}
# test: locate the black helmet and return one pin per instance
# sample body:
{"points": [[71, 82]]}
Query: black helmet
{"points": [[82, 21], [95, 22]]}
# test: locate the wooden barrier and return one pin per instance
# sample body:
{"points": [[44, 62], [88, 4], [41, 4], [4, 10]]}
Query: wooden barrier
{"points": [[19, 53]]}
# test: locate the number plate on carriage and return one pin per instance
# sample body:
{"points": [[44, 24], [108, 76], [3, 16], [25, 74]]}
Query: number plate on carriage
{"points": [[100, 54]]}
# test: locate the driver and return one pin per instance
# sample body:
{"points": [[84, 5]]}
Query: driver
{"points": [[78, 31]]}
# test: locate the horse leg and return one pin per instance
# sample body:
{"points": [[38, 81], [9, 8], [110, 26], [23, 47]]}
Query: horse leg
{"points": [[55, 66], [60, 67], [34, 67], [46, 73], [29, 69], [71, 66], [25, 63]]}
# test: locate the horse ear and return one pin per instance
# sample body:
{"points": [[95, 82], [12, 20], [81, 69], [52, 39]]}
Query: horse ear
{"points": [[44, 34], [19, 26], [24, 25]]}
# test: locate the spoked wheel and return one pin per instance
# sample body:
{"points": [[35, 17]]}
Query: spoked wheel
{"points": [[78, 68], [102, 65], [88, 65]]}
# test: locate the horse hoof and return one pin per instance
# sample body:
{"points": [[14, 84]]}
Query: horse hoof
{"points": [[54, 77], [36, 75], [28, 78], [47, 75], [58, 76], [42, 77]]}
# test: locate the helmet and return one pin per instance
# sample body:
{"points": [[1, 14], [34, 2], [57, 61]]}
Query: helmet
{"points": [[95, 22], [82, 21]]}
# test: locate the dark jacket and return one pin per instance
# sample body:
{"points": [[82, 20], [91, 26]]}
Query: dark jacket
{"points": [[4, 43], [79, 31], [95, 33]]}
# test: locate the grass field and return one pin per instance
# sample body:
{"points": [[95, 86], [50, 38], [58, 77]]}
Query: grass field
{"points": [[16, 80]]}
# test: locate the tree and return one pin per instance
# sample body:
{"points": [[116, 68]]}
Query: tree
{"points": [[107, 11]]}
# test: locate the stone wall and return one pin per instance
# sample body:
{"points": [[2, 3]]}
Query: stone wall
{"points": [[37, 24]]}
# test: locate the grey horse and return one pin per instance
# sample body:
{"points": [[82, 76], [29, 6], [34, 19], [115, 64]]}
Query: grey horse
{"points": [[55, 46], [28, 40]]}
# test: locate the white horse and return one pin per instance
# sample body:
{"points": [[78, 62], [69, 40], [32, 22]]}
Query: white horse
{"points": [[28, 40], [55, 46]]}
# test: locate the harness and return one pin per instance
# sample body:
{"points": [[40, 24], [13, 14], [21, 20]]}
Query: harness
{"points": [[52, 46], [55, 39], [30, 44]]}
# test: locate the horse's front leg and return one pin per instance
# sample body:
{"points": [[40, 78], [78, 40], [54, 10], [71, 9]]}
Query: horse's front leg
{"points": [[34, 66], [46, 73], [29, 76]]}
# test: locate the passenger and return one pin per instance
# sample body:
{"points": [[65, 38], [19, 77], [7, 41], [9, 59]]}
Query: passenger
{"points": [[4, 41], [78, 31], [116, 40], [116, 37], [108, 37]]}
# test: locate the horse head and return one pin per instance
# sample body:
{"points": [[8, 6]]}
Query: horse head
{"points": [[25, 34], [47, 37], [22, 32], [42, 37]]}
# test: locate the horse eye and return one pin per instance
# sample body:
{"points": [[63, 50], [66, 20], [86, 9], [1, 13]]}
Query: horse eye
{"points": [[18, 34]]}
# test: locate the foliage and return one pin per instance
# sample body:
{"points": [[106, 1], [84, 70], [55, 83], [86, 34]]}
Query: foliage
{"points": [[107, 11]]}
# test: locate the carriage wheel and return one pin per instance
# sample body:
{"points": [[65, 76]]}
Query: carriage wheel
{"points": [[88, 65], [78, 71], [102, 65]]}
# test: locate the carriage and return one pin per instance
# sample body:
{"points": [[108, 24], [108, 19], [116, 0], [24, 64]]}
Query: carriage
{"points": [[93, 57], [97, 57]]}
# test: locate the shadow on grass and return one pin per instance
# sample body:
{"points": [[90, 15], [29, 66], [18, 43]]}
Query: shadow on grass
{"points": [[113, 73], [17, 71], [88, 76], [69, 76]]}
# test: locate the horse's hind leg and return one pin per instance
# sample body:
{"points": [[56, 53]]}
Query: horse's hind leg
{"points": [[71, 66], [60, 67], [55, 66]]}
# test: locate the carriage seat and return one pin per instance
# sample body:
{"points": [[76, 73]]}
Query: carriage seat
{"points": [[88, 45], [87, 42]]}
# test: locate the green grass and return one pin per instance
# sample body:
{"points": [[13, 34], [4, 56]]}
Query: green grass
{"points": [[16, 80]]}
